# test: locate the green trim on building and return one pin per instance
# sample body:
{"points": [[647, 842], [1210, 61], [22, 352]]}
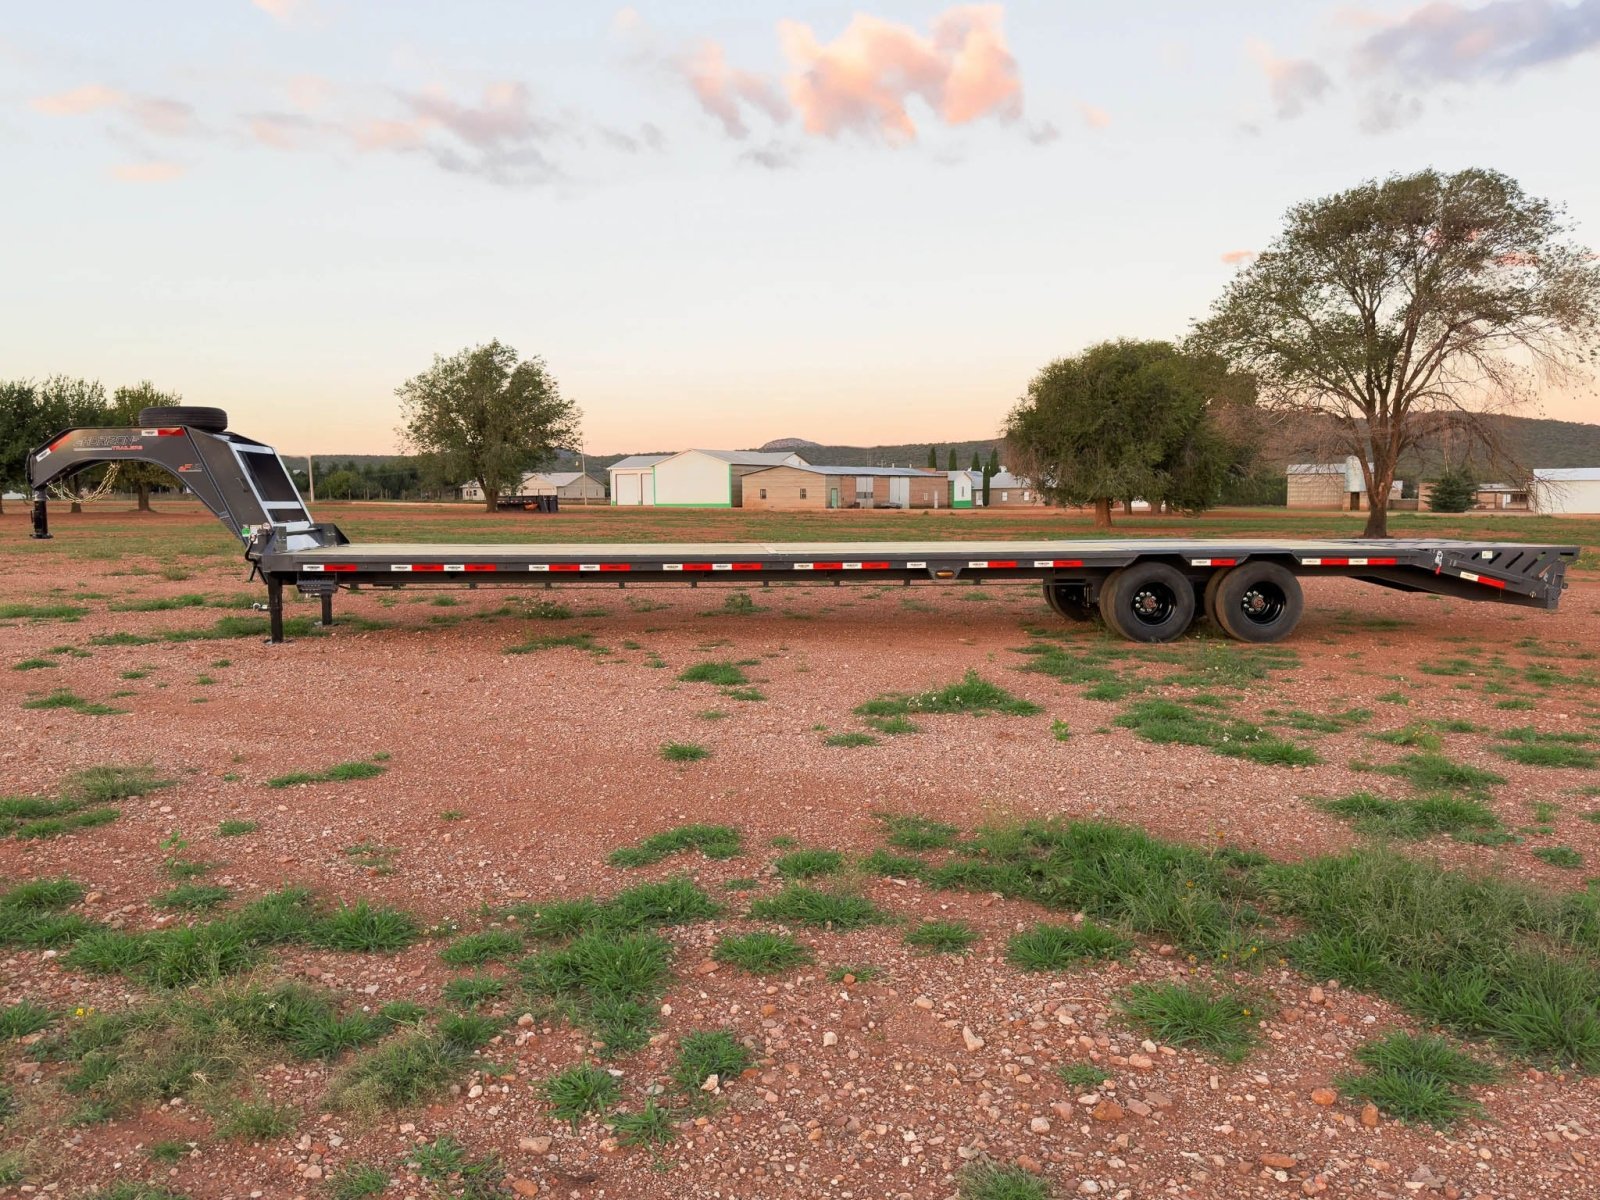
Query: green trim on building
{"points": [[707, 504]]}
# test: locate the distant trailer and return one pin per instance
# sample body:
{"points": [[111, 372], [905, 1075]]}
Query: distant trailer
{"points": [[1146, 589]]}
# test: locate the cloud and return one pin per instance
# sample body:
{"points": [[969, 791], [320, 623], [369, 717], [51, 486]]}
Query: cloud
{"points": [[774, 156], [283, 10], [147, 172], [862, 80], [169, 118], [1294, 83], [1384, 112], [649, 137], [1236, 258], [91, 97], [1094, 117], [309, 93], [1042, 133], [280, 130], [1448, 42], [723, 90]]}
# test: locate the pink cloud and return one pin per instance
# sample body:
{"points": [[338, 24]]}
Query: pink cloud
{"points": [[91, 97], [147, 172], [309, 93], [281, 10], [1094, 116], [723, 90], [863, 79], [1294, 83], [1236, 258]]}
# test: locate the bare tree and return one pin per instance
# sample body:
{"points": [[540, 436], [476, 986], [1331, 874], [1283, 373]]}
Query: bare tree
{"points": [[1408, 310]]}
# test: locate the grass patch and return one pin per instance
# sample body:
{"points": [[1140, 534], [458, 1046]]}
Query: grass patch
{"points": [[804, 905], [607, 981], [1168, 722], [1531, 748], [762, 952], [850, 741], [1431, 772], [684, 752], [854, 973], [474, 991], [366, 928], [808, 864], [34, 664], [723, 674], [489, 945], [553, 641], [579, 1091], [942, 937], [974, 696], [1417, 818], [24, 1017], [85, 799], [713, 841], [400, 1072], [892, 726], [912, 832], [66, 698], [1221, 1023], [1417, 1078], [652, 1125], [989, 1180], [193, 897], [342, 773], [891, 865], [1081, 1076], [41, 612], [237, 828], [1047, 947], [705, 1053], [1559, 856], [357, 1181]]}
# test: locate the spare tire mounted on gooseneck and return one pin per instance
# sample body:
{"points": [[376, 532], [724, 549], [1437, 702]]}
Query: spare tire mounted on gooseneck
{"points": [[209, 420]]}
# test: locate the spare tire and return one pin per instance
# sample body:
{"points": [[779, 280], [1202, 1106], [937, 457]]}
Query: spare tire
{"points": [[208, 420]]}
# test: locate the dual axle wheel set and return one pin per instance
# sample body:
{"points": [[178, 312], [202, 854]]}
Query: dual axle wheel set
{"points": [[1156, 602]]}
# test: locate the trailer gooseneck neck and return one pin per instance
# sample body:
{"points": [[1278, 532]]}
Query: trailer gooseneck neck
{"points": [[1148, 590]]}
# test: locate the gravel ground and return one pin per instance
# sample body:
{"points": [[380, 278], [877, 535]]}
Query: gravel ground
{"points": [[874, 1089]]}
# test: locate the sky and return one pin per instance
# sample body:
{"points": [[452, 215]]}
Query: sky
{"points": [[717, 223]]}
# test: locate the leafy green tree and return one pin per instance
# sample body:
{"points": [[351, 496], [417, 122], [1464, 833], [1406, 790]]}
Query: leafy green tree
{"points": [[1455, 491], [1124, 419], [340, 485], [950, 463], [31, 413], [933, 458], [987, 476], [1410, 310], [124, 410], [994, 460], [976, 465], [484, 414]]}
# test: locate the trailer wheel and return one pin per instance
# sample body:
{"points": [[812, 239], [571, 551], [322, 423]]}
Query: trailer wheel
{"points": [[1208, 598], [1067, 600], [207, 420], [1147, 602], [1258, 602]]}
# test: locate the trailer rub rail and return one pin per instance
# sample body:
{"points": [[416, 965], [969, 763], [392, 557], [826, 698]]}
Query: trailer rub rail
{"points": [[1147, 589]]}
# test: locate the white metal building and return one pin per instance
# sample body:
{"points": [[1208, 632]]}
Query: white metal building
{"points": [[633, 479], [1558, 490], [711, 478]]}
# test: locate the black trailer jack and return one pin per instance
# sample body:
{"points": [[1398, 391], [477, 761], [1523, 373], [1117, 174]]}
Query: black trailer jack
{"points": [[1146, 589]]}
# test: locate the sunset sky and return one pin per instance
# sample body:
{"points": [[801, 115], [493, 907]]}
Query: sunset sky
{"points": [[718, 223]]}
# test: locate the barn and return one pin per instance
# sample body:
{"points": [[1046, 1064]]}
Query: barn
{"points": [[1561, 490], [808, 487], [633, 479]]}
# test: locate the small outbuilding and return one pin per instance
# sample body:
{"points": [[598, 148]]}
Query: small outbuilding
{"points": [[1012, 491], [633, 479], [808, 487], [576, 487], [1566, 490]]}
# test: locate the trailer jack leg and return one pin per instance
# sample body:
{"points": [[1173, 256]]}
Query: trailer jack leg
{"points": [[41, 515], [275, 612], [327, 608]]}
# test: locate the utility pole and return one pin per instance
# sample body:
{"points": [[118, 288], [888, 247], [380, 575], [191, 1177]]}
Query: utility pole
{"points": [[311, 478]]}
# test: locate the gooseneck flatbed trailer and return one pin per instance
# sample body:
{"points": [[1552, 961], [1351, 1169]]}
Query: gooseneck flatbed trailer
{"points": [[1146, 589]]}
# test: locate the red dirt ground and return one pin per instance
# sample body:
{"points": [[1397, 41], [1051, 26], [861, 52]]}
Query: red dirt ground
{"points": [[553, 760]]}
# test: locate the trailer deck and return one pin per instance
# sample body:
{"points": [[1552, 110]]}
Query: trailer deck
{"points": [[1147, 589]]}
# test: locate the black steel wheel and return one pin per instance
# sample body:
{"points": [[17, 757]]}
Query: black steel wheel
{"points": [[1148, 602], [1259, 602], [1068, 600], [207, 420]]}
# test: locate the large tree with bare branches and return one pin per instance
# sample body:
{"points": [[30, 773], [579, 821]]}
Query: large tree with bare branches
{"points": [[1408, 310]]}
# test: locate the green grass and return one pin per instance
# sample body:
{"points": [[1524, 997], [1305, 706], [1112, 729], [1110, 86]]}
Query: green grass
{"points": [[859, 972], [1081, 1076], [193, 897], [357, 1181], [1430, 772], [1531, 748], [24, 1017], [237, 828], [366, 928], [684, 752], [1169, 722], [705, 1053], [1222, 1023], [468, 1030], [989, 1180], [41, 612], [489, 945], [342, 773], [974, 696], [1413, 818], [605, 980], [400, 1072], [1420, 1079], [1420, 737], [942, 937], [652, 1125], [580, 1091], [852, 740], [892, 865], [713, 841], [892, 726], [254, 1121], [808, 864], [762, 952], [1046, 947], [723, 674], [474, 991], [34, 664], [1559, 856], [804, 905], [1061, 731], [912, 832], [65, 698]]}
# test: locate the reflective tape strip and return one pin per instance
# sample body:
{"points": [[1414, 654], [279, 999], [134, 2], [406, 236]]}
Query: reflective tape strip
{"points": [[455, 567], [1383, 562], [427, 566], [482, 567], [616, 566], [538, 566], [672, 566], [563, 566], [160, 433], [1474, 578], [748, 566], [339, 567], [1213, 562], [852, 566], [722, 566], [804, 566], [588, 566], [696, 567], [1056, 562], [919, 566], [311, 567]]}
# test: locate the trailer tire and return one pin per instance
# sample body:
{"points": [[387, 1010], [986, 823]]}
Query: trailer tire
{"points": [[1208, 598], [1067, 600], [1148, 602], [1258, 602], [207, 420]]}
